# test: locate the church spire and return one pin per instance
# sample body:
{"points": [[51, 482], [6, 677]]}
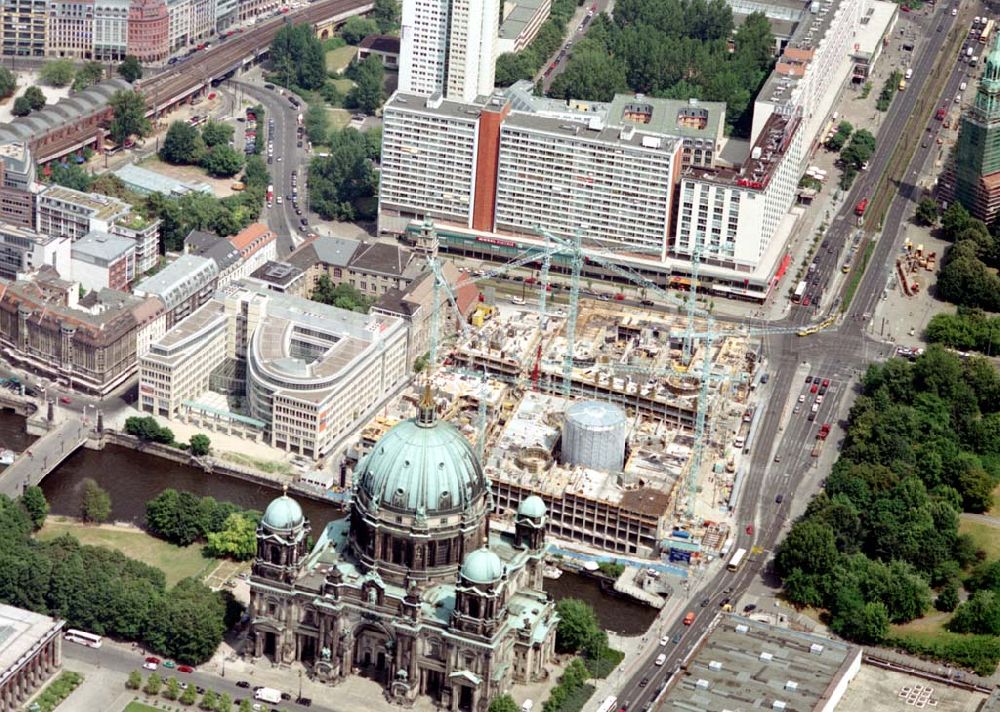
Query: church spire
{"points": [[426, 408]]}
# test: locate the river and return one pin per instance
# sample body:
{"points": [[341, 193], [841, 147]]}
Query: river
{"points": [[132, 478]]}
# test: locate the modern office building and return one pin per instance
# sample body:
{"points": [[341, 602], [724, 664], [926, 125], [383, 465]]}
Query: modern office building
{"points": [[23, 250], [71, 29], [145, 234], [30, 653], [974, 175], [111, 19], [448, 47], [313, 373], [73, 213], [24, 27], [412, 589], [183, 286], [149, 30], [103, 261], [17, 184]]}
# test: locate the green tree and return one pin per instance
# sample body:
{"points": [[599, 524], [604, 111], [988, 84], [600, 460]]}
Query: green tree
{"points": [[128, 110], [72, 176], [8, 83], [225, 703], [338, 181], [183, 145], [368, 91], [57, 73], [209, 700], [317, 124], [134, 681], [578, 625], [860, 149], [173, 689], [153, 684], [146, 428], [130, 69], [590, 75], [215, 133], [386, 15], [22, 106], [927, 212], [246, 706], [954, 220], [200, 444], [298, 57], [237, 540], [503, 703], [189, 696], [980, 614], [96, 504], [342, 296], [88, 75], [947, 598], [223, 161], [34, 503], [189, 623], [357, 28], [35, 97]]}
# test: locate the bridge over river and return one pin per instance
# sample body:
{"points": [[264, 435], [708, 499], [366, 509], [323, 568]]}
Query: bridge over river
{"points": [[44, 455]]}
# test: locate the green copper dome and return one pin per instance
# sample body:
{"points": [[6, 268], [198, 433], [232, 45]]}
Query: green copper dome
{"points": [[482, 566], [283, 513], [532, 506], [422, 466]]}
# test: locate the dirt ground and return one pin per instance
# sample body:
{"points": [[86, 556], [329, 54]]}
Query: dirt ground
{"points": [[192, 174]]}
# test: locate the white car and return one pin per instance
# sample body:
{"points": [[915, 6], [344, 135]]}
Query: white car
{"points": [[149, 666], [819, 400], [954, 11], [802, 398], [278, 200], [664, 640]]}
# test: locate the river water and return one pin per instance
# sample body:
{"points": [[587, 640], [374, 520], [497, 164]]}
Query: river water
{"points": [[132, 478]]}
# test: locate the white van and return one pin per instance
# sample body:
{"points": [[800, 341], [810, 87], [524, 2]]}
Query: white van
{"points": [[962, 86], [527, 706], [815, 407], [660, 659]]}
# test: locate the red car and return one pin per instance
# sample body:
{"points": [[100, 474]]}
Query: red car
{"points": [[64, 400], [826, 383], [749, 529], [185, 668], [813, 388], [151, 659]]}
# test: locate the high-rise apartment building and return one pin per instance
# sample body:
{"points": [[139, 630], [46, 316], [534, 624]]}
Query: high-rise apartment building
{"points": [[449, 46], [24, 27], [975, 173]]}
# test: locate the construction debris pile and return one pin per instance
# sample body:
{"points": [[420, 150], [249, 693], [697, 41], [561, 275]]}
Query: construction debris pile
{"points": [[910, 264]]}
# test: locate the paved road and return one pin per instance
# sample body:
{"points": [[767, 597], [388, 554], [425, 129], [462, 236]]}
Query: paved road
{"points": [[837, 355], [43, 455], [575, 31], [282, 218]]}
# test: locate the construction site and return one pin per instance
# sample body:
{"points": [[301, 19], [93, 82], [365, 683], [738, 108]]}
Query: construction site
{"points": [[912, 265]]}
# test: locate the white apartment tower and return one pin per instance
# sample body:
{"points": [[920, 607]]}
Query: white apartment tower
{"points": [[449, 46]]}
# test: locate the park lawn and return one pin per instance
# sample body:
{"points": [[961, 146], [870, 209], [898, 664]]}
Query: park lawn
{"points": [[176, 562], [995, 509], [983, 535], [339, 118], [343, 85], [139, 707], [930, 624], [338, 59]]}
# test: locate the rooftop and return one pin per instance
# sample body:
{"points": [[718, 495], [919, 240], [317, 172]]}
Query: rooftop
{"points": [[688, 119], [148, 181], [15, 156], [332, 251], [381, 258], [223, 254], [21, 632], [197, 241], [875, 689], [100, 247], [169, 282], [100, 207], [749, 664], [250, 234], [381, 43], [66, 112], [520, 17], [279, 273]]}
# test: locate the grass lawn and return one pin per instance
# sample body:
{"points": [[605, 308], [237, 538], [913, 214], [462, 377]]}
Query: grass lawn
{"points": [[175, 561], [139, 707], [339, 118], [983, 535], [930, 624], [995, 509], [338, 59], [343, 85]]}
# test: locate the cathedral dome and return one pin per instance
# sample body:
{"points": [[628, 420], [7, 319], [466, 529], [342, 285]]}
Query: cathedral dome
{"points": [[532, 506], [482, 566], [422, 466], [282, 514]]}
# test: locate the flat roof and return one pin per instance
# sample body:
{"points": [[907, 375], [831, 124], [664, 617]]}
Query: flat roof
{"points": [[101, 246], [280, 273], [21, 632], [750, 664], [171, 278], [688, 119], [102, 207], [765, 155], [155, 182], [16, 156], [874, 26], [436, 106], [520, 17], [593, 131], [876, 689]]}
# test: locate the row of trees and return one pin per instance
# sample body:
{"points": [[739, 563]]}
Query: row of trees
{"points": [[210, 148], [855, 155], [526, 64], [967, 330], [968, 271], [146, 428], [678, 49], [923, 444], [32, 99], [183, 518], [171, 689], [108, 593], [64, 72], [340, 182]]}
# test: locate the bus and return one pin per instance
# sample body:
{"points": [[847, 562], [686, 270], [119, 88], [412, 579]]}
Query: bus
{"points": [[734, 563], [800, 291], [83, 638], [609, 704], [987, 32]]}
